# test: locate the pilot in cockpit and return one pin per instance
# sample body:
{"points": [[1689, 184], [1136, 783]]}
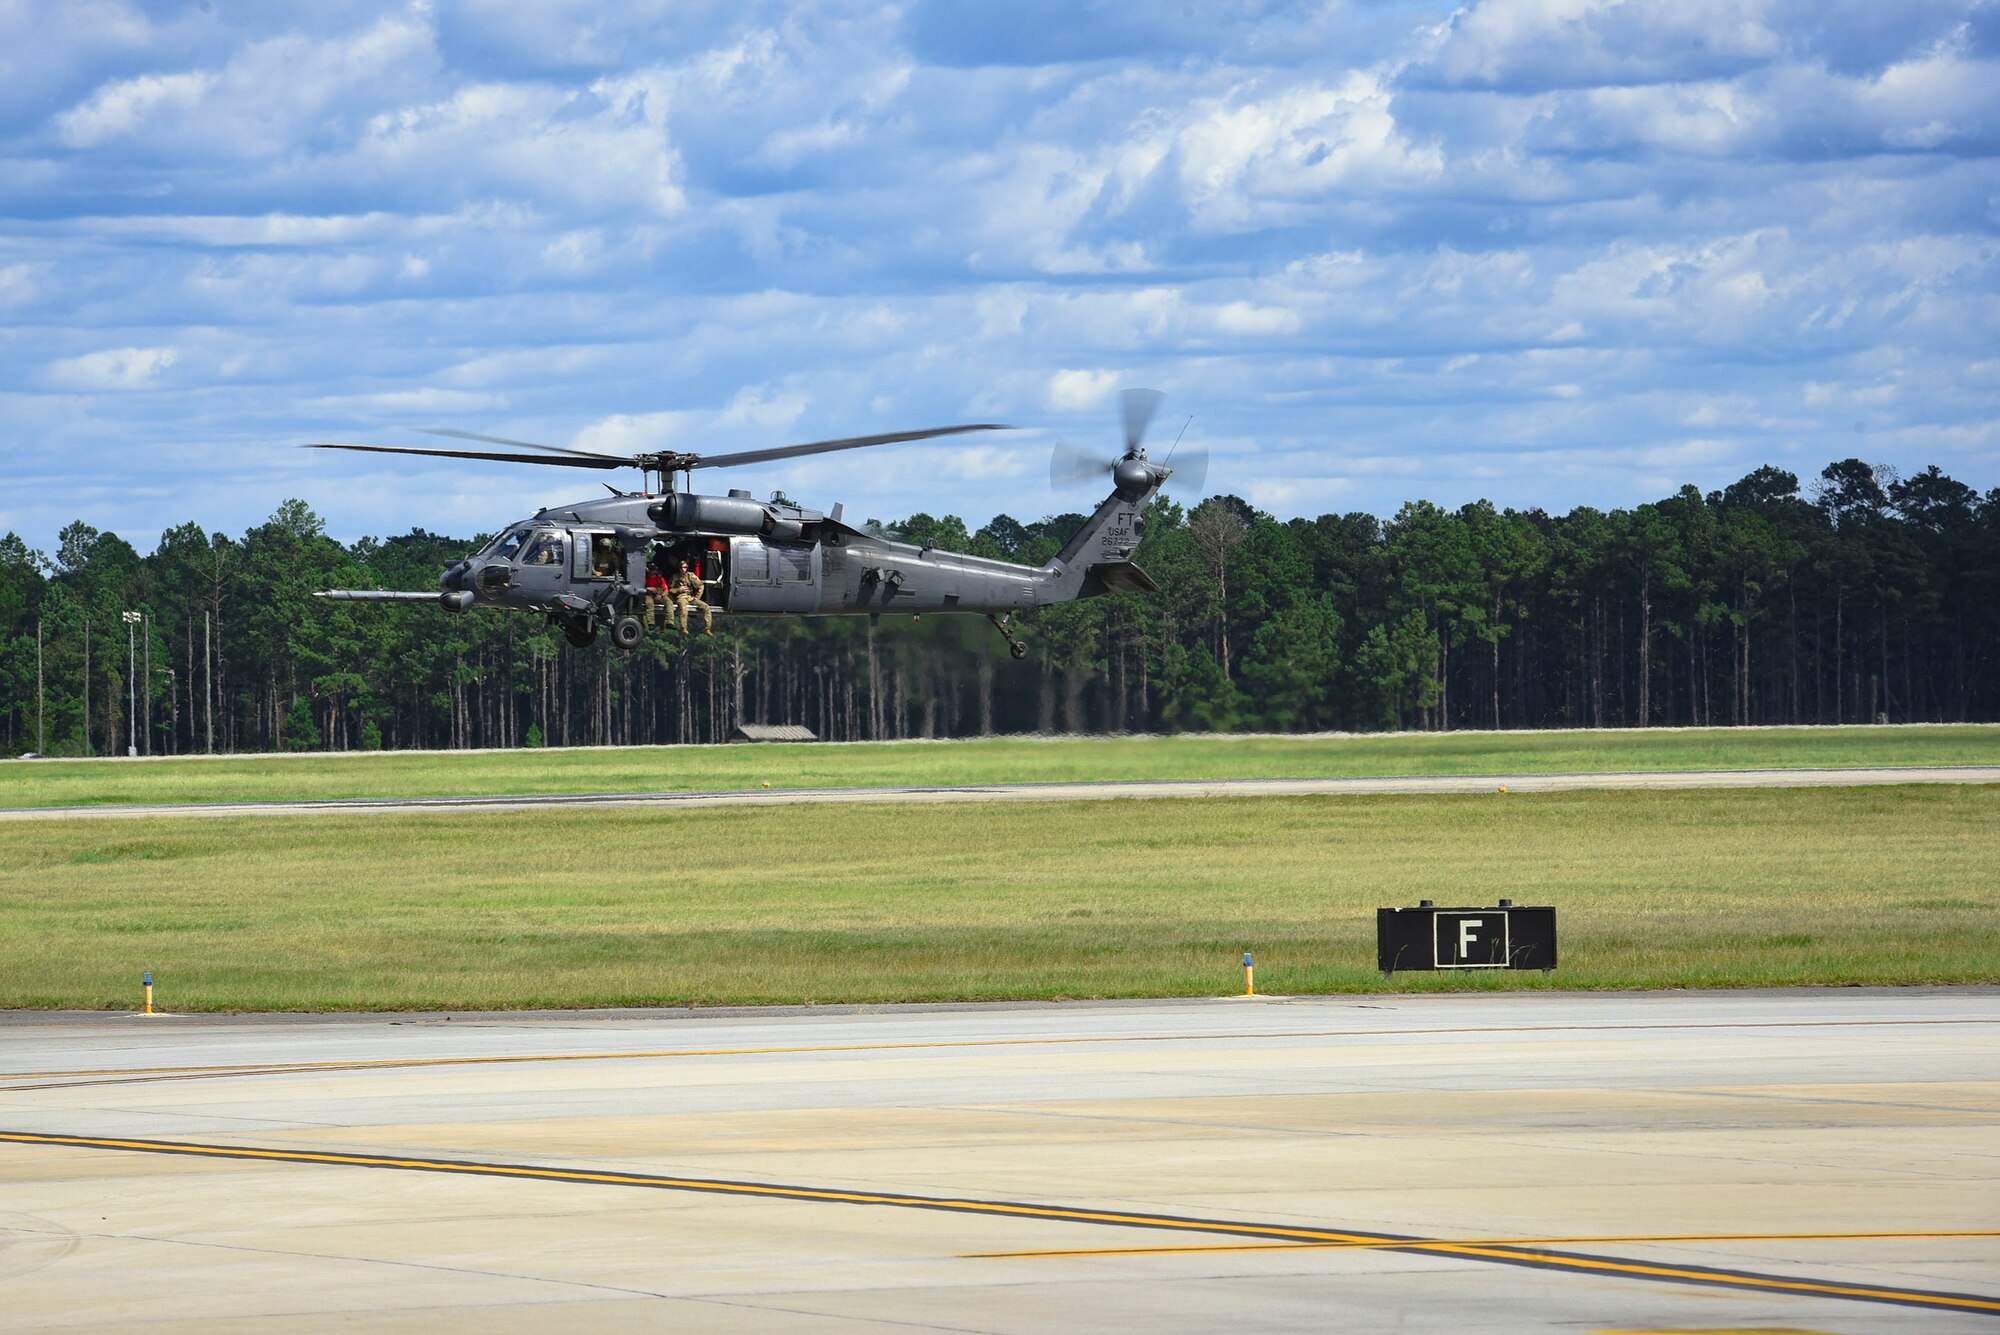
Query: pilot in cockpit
{"points": [[546, 550]]}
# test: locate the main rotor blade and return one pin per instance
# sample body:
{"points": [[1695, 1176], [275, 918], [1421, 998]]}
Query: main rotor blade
{"points": [[1139, 406], [583, 461], [742, 457], [526, 444], [375, 596]]}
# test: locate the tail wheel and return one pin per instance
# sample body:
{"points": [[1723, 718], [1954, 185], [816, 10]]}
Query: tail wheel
{"points": [[1018, 649], [627, 631]]}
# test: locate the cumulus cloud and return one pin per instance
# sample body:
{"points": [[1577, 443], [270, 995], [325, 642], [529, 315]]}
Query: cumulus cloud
{"points": [[633, 433], [1549, 251], [1075, 391], [122, 107], [112, 369]]}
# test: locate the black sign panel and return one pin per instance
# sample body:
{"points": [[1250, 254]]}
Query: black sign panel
{"points": [[1474, 939], [1508, 936]]}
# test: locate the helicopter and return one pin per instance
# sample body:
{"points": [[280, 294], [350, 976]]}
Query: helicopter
{"points": [[583, 565]]}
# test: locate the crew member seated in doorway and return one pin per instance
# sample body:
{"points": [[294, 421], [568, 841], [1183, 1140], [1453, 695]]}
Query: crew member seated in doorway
{"points": [[657, 598], [687, 589], [604, 556]]}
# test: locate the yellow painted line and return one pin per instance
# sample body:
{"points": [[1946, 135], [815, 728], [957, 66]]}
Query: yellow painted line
{"points": [[1726, 1279], [1509, 1255], [110, 1075], [1711, 1330], [1420, 1245]]}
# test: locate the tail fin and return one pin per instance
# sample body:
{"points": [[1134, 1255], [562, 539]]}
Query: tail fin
{"points": [[1099, 555]]}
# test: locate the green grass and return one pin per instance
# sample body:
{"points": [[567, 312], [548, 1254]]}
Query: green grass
{"points": [[827, 904], [997, 760]]}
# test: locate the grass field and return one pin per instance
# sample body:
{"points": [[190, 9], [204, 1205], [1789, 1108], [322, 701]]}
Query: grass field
{"points": [[995, 760], [827, 904]]}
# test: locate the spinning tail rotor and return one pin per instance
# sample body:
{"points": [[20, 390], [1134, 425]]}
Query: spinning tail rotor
{"points": [[1070, 465]]}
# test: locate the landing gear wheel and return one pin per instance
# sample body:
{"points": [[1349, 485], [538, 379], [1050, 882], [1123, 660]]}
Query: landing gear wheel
{"points": [[1014, 646], [580, 633], [627, 631]]}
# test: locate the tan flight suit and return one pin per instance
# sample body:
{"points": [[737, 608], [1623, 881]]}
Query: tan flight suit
{"points": [[686, 587]]}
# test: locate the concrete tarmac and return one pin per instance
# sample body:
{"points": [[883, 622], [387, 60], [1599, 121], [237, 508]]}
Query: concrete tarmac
{"points": [[1800, 1161], [1060, 792]]}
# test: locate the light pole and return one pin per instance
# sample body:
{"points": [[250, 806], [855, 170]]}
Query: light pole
{"points": [[131, 682]]}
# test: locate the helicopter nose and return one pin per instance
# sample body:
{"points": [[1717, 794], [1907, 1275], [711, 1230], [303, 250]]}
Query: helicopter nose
{"points": [[453, 575]]}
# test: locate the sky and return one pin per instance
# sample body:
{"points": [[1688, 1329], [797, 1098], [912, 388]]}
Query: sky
{"points": [[1546, 252]]}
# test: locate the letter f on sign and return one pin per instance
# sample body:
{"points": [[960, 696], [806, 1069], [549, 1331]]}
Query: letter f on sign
{"points": [[1466, 927]]}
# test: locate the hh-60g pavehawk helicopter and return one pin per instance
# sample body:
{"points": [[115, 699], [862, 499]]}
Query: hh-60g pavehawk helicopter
{"points": [[584, 565]]}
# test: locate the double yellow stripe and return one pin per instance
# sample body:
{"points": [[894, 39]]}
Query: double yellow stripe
{"points": [[1512, 1254], [1398, 1244]]}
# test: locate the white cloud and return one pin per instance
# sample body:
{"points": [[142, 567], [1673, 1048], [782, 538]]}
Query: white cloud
{"points": [[430, 399], [1243, 317], [127, 105], [600, 147], [18, 283], [1686, 453], [1078, 391], [757, 405], [1297, 495], [1255, 161], [1556, 43], [277, 229], [634, 433], [112, 368], [986, 463]]}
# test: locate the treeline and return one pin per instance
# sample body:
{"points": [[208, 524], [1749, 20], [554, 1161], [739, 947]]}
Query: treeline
{"points": [[1867, 597]]}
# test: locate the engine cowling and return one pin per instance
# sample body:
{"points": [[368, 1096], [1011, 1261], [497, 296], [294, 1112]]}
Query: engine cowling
{"points": [[711, 514], [688, 513]]}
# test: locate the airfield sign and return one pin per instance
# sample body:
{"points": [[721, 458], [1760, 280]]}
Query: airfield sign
{"points": [[1506, 936]]}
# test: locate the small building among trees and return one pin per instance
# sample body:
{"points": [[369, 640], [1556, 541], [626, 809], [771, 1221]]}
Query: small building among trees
{"points": [[772, 732]]}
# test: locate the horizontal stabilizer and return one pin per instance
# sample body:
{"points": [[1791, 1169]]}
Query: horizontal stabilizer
{"points": [[376, 596], [1119, 577]]}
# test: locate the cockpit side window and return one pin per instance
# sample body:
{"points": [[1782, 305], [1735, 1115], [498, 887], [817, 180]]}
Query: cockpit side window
{"points": [[545, 550]]}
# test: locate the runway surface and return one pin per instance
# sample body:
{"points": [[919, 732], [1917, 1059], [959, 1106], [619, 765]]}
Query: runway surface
{"points": [[1806, 1161], [1060, 792]]}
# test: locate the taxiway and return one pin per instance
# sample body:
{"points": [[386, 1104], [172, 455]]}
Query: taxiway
{"points": [[1814, 1160], [1055, 792]]}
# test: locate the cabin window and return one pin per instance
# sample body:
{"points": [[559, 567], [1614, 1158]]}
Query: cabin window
{"points": [[792, 563]]}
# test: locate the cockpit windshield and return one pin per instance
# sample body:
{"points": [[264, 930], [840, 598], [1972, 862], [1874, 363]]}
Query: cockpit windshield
{"points": [[508, 544]]}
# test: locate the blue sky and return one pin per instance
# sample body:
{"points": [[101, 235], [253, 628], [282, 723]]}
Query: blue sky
{"points": [[1552, 252]]}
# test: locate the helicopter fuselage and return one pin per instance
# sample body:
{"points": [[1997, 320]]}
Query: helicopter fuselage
{"points": [[584, 565]]}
